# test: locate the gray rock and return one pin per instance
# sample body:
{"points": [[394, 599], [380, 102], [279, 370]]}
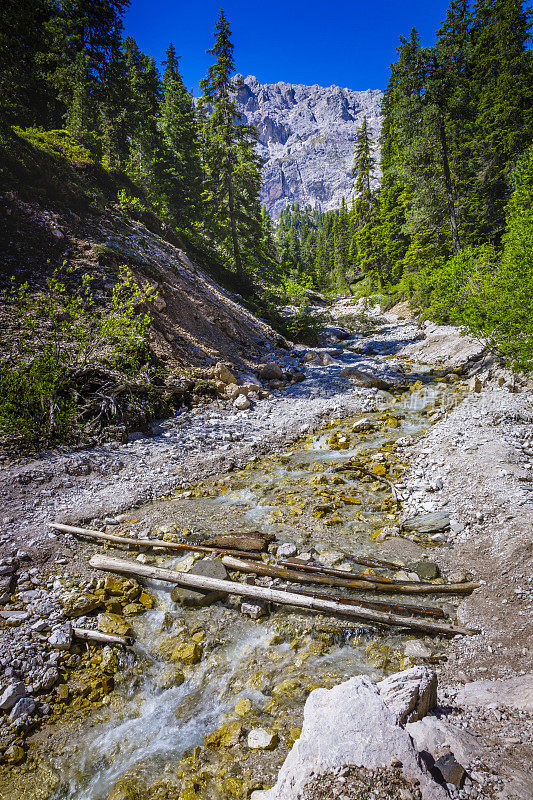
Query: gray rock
{"points": [[261, 739], [207, 568], [306, 137], [61, 638], [287, 549], [512, 692], [255, 608], [434, 522], [426, 570], [12, 695], [270, 372], [438, 737], [349, 724], [369, 379], [411, 694], [450, 769], [241, 402], [26, 705], [416, 649]]}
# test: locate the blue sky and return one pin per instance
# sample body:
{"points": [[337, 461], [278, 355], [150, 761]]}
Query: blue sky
{"points": [[338, 42]]}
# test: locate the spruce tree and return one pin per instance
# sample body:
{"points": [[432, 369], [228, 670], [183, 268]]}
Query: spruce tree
{"points": [[177, 122], [231, 164]]}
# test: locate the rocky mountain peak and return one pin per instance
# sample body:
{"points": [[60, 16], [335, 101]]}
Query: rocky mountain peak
{"points": [[306, 137]]}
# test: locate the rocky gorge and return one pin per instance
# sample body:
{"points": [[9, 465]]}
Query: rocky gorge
{"points": [[232, 681]]}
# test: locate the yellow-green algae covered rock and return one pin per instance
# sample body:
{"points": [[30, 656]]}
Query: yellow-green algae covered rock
{"points": [[227, 736], [187, 653], [114, 624]]}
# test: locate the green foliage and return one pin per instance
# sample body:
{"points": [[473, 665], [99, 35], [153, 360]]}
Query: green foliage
{"points": [[304, 326], [34, 403], [51, 337], [60, 142], [491, 293]]}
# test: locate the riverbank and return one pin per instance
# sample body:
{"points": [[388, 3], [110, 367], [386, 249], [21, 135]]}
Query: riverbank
{"points": [[458, 471]]}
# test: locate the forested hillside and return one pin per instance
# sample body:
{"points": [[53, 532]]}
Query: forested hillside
{"points": [[91, 125], [451, 225]]}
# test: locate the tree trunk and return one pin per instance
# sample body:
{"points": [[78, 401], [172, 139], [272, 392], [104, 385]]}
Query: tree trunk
{"points": [[449, 188], [272, 595], [233, 224]]}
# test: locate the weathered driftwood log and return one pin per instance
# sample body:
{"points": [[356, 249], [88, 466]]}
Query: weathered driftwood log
{"points": [[379, 605], [255, 542], [141, 544], [272, 595], [299, 576], [293, 563], [103, 638]]}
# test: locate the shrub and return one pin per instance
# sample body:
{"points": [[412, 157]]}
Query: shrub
{"points": [[54, 336]]}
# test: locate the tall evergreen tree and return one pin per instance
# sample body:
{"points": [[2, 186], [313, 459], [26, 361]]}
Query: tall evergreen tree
{"points": [[231, 163], [177, 121]]}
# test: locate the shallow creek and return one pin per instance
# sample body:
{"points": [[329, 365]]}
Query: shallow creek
{"points": [[147, 742]]}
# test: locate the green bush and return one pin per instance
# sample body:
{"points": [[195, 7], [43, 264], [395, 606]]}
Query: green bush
{"points": [[34, 402], [54, 337], [489, 293]]}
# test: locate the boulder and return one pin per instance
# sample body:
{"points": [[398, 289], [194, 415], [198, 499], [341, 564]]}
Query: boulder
{"points": [[223, 374], [475, 385], [241, 402], [207, 568], [79, 605], [438, 737], [511, 693], [350, 725], [270, 372], [434, 522], [410, 694], [114, 624], [368, 379], [11, 695]]}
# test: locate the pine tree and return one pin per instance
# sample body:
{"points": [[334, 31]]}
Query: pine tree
{"points": [[177, 121], [501, 92], [83, 36], [364, 169], [231, 163]]}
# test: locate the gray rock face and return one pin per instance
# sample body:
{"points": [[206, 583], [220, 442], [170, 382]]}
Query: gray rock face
{"points": [[349, 724], [410, 694], [306, 137], [427, 523]]}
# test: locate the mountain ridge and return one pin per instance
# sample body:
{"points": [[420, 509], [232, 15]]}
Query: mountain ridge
{"points": [[307, 139]]}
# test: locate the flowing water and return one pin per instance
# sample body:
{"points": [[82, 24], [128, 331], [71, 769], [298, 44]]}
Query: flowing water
{"points": [[141, 746]]}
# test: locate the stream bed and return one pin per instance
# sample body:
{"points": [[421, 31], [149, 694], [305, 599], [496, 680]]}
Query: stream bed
{"points": [[236, 674]]}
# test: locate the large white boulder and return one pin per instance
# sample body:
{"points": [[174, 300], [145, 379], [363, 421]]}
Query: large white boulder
{"points": [[350, 724]]}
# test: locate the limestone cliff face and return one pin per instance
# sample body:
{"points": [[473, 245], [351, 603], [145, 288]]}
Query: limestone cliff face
{"points": [[307, 136]]}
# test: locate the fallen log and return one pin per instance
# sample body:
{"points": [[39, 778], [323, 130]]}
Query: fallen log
{"points": [[379, 605], [297, 576], [103, 638], [125, 567], [338, 573], [141, 544], [234, 541]]}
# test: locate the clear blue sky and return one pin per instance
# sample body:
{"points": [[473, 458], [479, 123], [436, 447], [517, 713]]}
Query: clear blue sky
{"points": [[337, 42]]}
